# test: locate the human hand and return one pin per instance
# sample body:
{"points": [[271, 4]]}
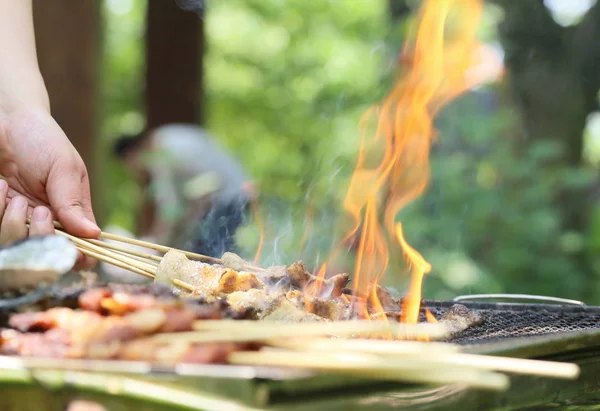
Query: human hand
{"points": [[46, 178]]}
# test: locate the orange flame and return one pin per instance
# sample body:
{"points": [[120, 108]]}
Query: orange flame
{"points": [[392, 168]]}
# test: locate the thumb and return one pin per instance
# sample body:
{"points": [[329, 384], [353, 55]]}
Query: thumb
{"points": [[68, 191]]}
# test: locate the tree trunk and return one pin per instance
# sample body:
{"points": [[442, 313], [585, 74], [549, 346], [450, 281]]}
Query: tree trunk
{"points": [[68, 37], [554, 74], [174, 49], [174, 71]]}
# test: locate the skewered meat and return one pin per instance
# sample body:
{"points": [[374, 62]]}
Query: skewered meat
{"points": [[285, 311], [458, 318], [313, 285], [233, 261], [256, 300], [175, 265], [387, 300], [334, 310], [231, 281], [210, 281], [48, 345]]}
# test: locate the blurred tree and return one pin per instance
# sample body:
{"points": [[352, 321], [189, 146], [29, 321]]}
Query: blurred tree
{"points": [[174, 51], [286, 83], [69, 46], [554, 74]]}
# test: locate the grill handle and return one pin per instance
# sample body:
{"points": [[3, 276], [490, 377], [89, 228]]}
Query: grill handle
{"points": [[536, 298]]}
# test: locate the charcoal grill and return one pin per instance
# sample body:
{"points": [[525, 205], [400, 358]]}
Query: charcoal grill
{"points": [[562, 330]]}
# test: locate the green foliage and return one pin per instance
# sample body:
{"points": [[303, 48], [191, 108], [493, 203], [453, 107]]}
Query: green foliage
{"points": [[287, 83], [122, 89]]}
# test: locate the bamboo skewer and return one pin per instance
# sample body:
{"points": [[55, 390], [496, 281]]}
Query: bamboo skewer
{"points": [[152, 246], [138, 258], [361, 365], [83, 243], [303, 345], [121, 257], [114, 262], [248, 330], [435, 355], [159, 247], [117, 247]]}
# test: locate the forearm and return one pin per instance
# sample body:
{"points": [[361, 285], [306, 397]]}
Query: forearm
{"points": [[20, 78]]}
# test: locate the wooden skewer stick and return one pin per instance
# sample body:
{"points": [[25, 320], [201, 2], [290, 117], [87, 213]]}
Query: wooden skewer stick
{"points": [[361, 365], [240, 330], [152, 246], [135, 257], [124, 265], [184, 285], [114, 262], [138, 258], [142, 266], [117, 247], [161, 248], [434, 353], [351, 327], [396, 347]]}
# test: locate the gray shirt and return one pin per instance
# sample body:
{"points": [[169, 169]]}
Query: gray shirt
{"points": [[185, 164]]}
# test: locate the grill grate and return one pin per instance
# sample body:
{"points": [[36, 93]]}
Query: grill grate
{"points": [[510, 320]]}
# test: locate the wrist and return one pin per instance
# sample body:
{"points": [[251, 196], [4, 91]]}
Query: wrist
{"points": [[21, 90]]}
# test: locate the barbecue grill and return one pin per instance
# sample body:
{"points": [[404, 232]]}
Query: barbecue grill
{"points": [[556, 329]]}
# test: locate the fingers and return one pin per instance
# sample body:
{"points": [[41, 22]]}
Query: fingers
{"points": [[69, 195], [3, 198], [13, 227], [41, 222]]}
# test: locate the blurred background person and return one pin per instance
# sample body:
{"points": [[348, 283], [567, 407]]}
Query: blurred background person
{"points": [[195, 194]]}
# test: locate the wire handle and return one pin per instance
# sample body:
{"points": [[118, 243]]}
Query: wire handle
{"points": [[537, 298]]}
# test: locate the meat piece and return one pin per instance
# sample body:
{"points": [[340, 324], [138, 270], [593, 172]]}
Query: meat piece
{"points": [[178, 321], [458, 318], [330, 288], [175, 265], [334, 310], [120, 299], [299, 275], [92, 300], [147, 321], [232, 281], [34, 345], [210, 353], [178, 352], [285, 311], [388, 301], [59, 317], [314, 286], [255, 299], [233, 261], [273, 276]]}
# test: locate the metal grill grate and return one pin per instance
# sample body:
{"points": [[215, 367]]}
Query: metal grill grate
{"points": [[509, 320]]}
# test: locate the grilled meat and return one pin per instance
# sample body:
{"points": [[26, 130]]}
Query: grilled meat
{"points": [[313, 285], [458, 318]]}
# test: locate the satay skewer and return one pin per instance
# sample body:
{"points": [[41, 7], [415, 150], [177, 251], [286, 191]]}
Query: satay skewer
{"points": [[156, 247], [369, 366], [152, 246]]}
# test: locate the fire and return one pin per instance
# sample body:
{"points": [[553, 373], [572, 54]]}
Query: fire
{"points": [[392, 168]]}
